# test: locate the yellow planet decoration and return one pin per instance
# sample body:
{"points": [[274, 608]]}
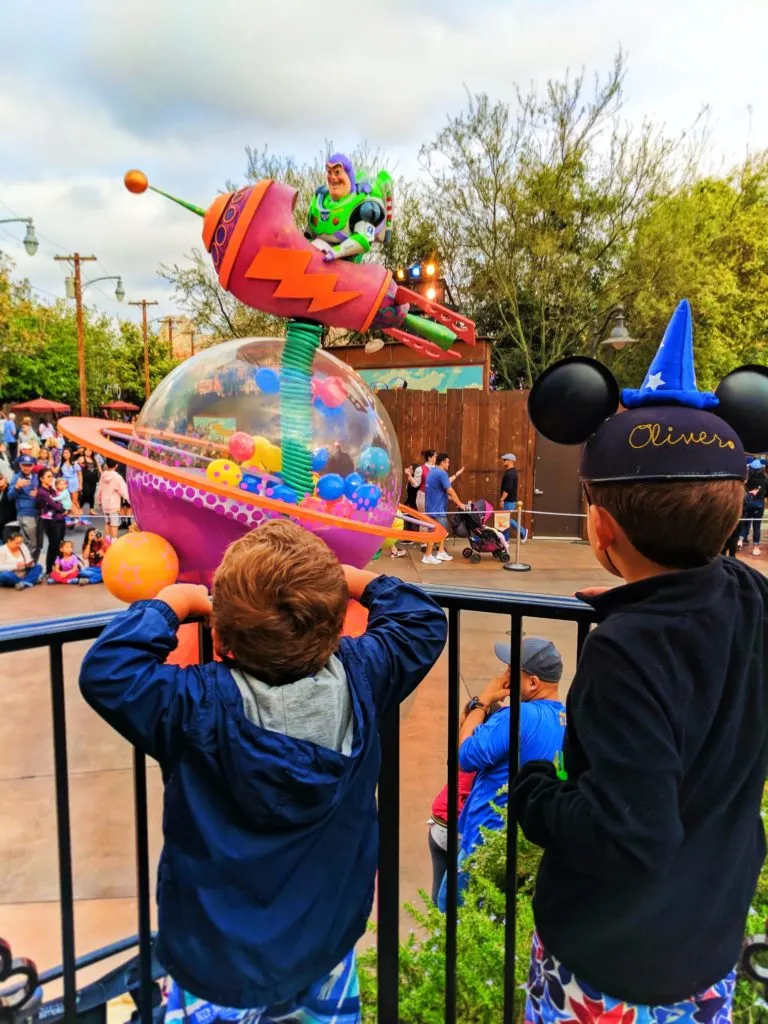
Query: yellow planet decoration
{"points": [[389, 542], [137, 567], [224, 471]]}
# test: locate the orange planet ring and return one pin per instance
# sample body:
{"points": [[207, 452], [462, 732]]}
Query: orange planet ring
{"points": [[88, 433]]}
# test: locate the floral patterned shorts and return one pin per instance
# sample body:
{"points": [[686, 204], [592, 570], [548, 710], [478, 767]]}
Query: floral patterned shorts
{"points": [[333, 1000], [556, 996]]}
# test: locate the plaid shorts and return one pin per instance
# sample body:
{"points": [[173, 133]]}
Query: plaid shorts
{"points": [[556, 996], [334, 1000]]}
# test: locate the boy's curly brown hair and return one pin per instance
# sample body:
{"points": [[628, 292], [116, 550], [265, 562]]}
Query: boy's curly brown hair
{"points": [[279, 600]]}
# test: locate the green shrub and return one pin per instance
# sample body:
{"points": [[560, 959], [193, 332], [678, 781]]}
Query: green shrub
{"points": [[480, 940]]}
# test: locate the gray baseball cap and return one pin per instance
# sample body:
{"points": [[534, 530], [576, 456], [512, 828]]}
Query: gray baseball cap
{"points": [[509, 457], [538, 657]]}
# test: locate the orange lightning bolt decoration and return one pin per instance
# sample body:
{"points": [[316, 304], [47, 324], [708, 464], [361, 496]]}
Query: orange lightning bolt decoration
{"points": [[288, 266]]}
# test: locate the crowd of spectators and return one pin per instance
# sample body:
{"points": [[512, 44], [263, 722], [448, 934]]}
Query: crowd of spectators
{"points": [[50, 486]]}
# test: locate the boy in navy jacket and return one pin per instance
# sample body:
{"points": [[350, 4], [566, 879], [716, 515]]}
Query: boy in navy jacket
{"points": [[653, 841], [270, 760]]}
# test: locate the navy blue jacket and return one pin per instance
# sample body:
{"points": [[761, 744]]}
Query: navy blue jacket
{"points": [[654, 844], [266, 877]]}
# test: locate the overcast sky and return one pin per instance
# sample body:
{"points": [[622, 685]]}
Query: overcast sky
{"points": [[89, 88]]}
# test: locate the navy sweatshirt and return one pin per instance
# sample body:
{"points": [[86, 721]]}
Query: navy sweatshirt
{"points": [[654, 844]]}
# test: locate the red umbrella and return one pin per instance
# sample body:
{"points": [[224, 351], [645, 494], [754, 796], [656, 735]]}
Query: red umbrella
{"points": [[42, 407], [121, 406]]}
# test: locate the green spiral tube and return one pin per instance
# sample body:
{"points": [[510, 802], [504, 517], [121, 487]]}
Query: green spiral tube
{"points": [[302, 340]]}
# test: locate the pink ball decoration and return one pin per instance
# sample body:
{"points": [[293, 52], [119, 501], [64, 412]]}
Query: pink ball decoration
{"points": [[331, 392], [343, 507], [241, 446]]}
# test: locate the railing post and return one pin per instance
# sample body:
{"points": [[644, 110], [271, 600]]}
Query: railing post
{"points": [[510, 926], [452, 850], [388, 895], [63, 829], [142, 886]]}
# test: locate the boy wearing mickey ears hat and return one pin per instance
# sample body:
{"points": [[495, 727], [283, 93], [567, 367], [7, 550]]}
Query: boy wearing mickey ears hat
{"points": [[652, 834]]}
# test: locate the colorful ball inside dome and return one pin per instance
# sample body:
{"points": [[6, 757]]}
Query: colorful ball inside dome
{"points": [[213, 407]]}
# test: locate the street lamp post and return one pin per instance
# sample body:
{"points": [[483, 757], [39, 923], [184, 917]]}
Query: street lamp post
{"points": [[144, 328], [618, 337], [74, 288], [30, 238]]}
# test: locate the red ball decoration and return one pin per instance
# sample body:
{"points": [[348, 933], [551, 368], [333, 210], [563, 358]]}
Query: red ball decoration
{"points": [[241, 446]]}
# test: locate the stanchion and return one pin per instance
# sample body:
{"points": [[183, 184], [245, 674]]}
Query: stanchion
{"points": [[517, 565]]}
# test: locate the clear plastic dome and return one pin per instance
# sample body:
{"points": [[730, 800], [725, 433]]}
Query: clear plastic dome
{"points": [[218, 416]]}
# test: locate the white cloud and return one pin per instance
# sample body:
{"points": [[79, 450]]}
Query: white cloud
{"points": [[179, 88]]}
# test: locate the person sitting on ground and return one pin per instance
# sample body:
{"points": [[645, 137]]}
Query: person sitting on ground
{"points": [[66, 568], [651, 829], [272, 761], [94, 548], [484, 737], [17, 567], [439, 490], [111, 492]]}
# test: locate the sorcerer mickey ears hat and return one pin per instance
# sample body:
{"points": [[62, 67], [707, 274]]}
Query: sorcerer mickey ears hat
{"points": [[669, 430]]}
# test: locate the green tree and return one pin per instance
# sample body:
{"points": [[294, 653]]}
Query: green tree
{"points": [[707, 242], [535, 206]]}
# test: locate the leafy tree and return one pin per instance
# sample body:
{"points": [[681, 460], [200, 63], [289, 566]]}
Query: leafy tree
{"points": [[707, 242], [535, 206]]}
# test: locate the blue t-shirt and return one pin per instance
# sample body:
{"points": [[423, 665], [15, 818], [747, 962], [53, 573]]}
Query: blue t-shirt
{"points": [[486, 751], [9, 431], [436, 492]]}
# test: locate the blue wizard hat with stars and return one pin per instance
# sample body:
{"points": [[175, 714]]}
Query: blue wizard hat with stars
{"points": [[667, 429], [671, 379]]}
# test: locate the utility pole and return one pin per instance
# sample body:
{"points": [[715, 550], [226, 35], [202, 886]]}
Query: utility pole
{"points": [[145, 330], [77, 259]]}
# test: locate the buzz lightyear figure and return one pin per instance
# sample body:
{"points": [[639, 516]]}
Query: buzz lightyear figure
{"points": [[347, 215]]}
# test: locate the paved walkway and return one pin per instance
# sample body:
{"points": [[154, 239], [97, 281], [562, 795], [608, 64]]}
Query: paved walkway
{"points": [[100, 762]]}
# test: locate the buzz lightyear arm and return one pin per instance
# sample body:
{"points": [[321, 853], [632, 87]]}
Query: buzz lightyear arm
{"points": [[366, 220]]}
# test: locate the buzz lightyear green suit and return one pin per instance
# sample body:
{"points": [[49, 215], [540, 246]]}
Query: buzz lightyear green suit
{"points": [[347, 216]]}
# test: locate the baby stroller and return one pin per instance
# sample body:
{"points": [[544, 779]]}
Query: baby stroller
{"points": [[475, 524]]}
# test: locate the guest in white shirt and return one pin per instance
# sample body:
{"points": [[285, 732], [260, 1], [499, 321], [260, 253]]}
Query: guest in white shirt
{"points": [[17, 569]]}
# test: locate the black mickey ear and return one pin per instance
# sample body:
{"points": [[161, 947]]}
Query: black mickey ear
{"points": [[571, 399], [743, 396]]}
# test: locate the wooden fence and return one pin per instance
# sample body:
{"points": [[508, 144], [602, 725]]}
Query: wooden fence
{"points": [[475, 428]]}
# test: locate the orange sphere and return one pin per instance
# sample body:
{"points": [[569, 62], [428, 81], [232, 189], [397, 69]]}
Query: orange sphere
{"points": [[136, 181], [137, 566]]}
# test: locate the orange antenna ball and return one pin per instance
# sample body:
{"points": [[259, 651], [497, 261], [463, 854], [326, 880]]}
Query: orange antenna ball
{"points": [[136, 181]]}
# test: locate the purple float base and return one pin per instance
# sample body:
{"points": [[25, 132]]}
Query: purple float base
{"points": [[200, 525]]}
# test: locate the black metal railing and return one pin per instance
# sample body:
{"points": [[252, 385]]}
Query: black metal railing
{"points": [[139, 975]]}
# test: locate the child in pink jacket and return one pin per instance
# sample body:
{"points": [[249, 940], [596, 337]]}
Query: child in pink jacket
{"points": [[110, 493]]}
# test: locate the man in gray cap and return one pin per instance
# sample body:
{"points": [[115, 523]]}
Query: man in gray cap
{"points": [[484, 737], [509, 493]]}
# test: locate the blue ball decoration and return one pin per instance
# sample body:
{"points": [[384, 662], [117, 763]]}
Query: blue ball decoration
{"points": [[320, 458], [351, 484], [367, 496], [330, 487], [250, 483], [267, 380], [285, 493], [374, 462]]}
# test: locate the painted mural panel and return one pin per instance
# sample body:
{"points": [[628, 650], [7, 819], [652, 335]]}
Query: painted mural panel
{"points": [[425, 378]]}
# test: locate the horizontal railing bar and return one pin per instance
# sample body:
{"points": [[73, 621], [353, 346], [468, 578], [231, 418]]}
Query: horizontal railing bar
{"points": [[542, 606], [89, 959], [22, 636], [25, 635]]}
